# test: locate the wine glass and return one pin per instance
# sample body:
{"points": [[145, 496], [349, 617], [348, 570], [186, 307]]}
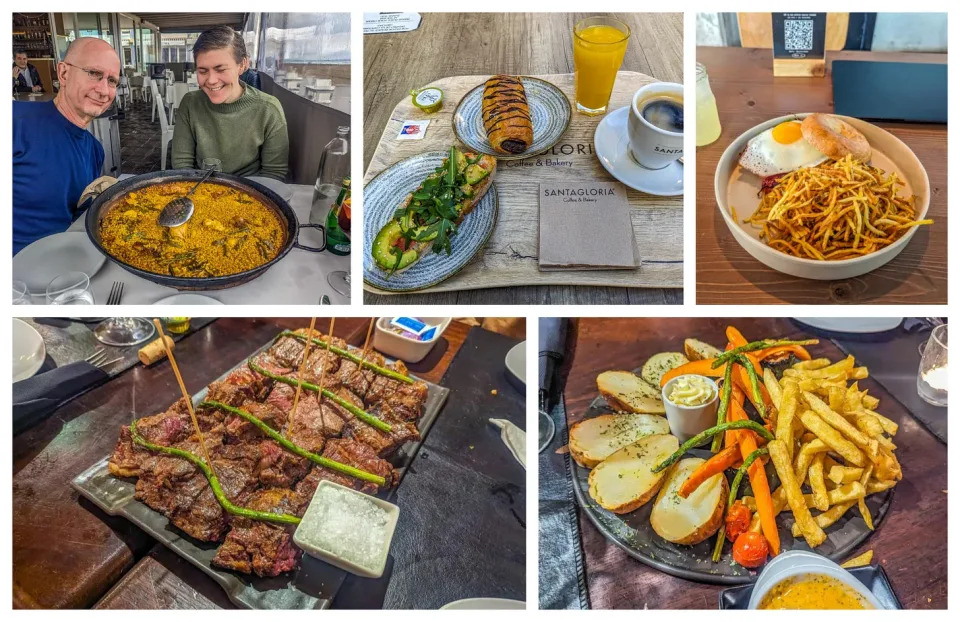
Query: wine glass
{"points": [[71, 288], [339, 280], [123, 331], [547, 430]]}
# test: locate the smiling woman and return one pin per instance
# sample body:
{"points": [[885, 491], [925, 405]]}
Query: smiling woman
{"points": [[228, 120]]}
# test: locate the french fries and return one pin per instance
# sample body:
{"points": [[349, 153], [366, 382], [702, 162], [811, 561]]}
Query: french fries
{"points": [[830, 437], [805, 524], [863, 559]]}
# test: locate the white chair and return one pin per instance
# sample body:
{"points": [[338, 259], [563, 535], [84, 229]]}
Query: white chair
{"points": [[166, 130], [136, 88], [147, 94], [123, 91], [177, 91]]}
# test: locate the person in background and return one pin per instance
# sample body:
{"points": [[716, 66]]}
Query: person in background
{"points": [[54, 156], [26, 78], [227, 119]]}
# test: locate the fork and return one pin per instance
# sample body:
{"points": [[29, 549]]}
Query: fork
{"points": [[99, 358], [116, 293]]}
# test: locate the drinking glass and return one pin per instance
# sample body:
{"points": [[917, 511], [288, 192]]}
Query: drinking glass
{"points": [[599, 44], [212, 164], [71, 288], [708, 119], [547, 430], [932, 378], [21, 294], [123, 331]]}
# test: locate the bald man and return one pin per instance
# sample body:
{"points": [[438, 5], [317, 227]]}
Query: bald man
{"points": [[54, 156]]}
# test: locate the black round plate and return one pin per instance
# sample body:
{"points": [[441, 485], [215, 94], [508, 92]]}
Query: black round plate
{"points": [[633, 533]]}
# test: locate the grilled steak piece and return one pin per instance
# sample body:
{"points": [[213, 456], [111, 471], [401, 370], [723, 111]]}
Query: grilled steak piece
{"points": [[310, 425], [232, 394], [383, 443], [265, 549], [379, 389], [356, 454], [288, 351], [168, 428], [239, 430], [353, 378], [406, 402]]}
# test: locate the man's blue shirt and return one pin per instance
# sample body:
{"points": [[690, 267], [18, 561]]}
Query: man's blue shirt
{"points": [[53, 161]]}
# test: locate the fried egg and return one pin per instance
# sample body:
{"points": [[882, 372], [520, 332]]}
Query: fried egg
{"points": [[780, 149]]}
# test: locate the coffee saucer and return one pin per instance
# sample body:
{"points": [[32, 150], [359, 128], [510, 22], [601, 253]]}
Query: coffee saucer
{"points": [[612, 145]]}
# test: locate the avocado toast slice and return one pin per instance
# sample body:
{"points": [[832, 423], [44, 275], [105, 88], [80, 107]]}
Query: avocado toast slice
{"points": [[429, 215]]}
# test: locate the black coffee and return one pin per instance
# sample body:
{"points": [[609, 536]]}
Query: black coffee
{"points": [[665, 113]]}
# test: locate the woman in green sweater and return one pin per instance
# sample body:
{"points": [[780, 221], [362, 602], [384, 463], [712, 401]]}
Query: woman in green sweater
{"points": [[227, 119]]}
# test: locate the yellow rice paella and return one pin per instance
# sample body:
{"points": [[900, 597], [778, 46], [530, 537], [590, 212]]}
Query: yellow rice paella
{"points": [[230, 231]]}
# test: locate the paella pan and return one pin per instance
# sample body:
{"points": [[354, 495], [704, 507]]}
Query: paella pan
{"points": [[239, 229]]}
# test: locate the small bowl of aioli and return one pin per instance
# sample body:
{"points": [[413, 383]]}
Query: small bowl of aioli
{"points": [[691, 403]]}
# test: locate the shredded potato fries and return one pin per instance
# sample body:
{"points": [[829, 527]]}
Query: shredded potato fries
{"points": [[837, 210]]}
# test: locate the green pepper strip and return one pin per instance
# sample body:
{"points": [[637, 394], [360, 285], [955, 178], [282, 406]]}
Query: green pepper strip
{"points": [[360, 414], [346, 469], [724, 404], [383, 371], [214, 482], [760, 345], [733, 495], [754, 384], [742, 424]]}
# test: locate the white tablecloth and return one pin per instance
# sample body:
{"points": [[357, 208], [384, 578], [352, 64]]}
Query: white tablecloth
{"points": [[298, 278]]}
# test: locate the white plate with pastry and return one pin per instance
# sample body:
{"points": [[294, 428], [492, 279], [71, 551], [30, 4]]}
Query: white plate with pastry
{"points": [[781, 162]]}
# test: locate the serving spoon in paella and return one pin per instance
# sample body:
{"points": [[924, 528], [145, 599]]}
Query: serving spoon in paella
{"points": [[178, 211]]}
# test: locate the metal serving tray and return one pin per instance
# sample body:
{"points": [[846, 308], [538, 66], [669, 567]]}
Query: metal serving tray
{"points": [[311, 586]]}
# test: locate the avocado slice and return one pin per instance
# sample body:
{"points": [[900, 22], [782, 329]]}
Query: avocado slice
{"points": [[475, 173], [383, 245], [407, 224], [467, 190], [461, 161]]}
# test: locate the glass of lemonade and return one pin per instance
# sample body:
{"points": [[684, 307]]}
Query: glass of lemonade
{"points": [[708, 120], [599, 44]]}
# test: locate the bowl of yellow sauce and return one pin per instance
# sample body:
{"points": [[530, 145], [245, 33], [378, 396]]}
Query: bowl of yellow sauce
{"points": [[805, 580]]}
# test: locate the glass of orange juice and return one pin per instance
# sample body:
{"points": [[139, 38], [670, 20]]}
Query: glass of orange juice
{"points": [[599, 44]]}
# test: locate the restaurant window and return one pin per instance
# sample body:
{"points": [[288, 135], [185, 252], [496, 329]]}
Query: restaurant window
{"points": [[177, 47], [308, 54], [149, 53]]}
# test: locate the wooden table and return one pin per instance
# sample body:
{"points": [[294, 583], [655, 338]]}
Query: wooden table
{"points": [[66, 552], [747, 94], [909, 543], [448, 44]]}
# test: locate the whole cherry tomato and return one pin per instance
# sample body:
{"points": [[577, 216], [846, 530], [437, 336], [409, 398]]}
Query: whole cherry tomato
{"points": [[738, 520], [750, 549]]}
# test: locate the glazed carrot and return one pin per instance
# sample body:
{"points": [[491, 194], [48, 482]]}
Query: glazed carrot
{"points": [[735, 338], [800, 352], [718, 463], [759, 484], [702, 368], [731, 436], [742, 381]]}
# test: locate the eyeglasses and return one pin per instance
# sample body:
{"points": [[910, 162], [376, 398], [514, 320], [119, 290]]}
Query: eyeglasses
{"points": [[96, 75]]}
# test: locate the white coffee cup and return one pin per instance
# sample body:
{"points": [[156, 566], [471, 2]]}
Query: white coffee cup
{"points": [[651, 146]]}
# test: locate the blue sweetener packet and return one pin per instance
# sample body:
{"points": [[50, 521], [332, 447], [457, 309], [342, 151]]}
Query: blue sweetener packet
{"points": [[419, 330]]}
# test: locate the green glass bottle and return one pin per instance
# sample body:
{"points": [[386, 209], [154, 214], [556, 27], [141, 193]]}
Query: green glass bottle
{"points": [[338, 222]]}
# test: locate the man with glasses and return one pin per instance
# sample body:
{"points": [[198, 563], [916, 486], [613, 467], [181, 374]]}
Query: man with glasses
{"points": [[54, 156]]}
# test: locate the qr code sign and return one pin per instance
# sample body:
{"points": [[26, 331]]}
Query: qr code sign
{"points": [[798, 34]]}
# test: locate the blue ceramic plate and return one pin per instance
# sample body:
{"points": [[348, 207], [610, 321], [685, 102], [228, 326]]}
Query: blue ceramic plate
{"points": [[381, 198], [549, 110]]}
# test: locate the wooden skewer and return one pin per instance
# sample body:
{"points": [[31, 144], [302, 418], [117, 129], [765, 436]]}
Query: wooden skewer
{"points": [[303, 364], [323, 366], [366, 342], [186, 396]]}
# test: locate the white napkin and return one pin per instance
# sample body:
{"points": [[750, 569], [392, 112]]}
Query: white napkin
{"points": [[514, 438]]}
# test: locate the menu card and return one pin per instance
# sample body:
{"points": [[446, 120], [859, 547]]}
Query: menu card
{"points": [[586, 226]]}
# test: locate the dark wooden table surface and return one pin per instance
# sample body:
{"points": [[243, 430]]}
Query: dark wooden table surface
{"points": [[66, 552], [451, 44], [910, 543], [747, 94]]}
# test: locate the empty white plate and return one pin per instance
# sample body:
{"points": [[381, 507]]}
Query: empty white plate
{"points": [[29, 350], [852, 324], [188, 299], [485, 603], [516, 362], [613, 148], [38, 264]]}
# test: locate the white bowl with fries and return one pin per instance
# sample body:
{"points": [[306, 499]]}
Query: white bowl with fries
{"points": [[738, 189]]}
